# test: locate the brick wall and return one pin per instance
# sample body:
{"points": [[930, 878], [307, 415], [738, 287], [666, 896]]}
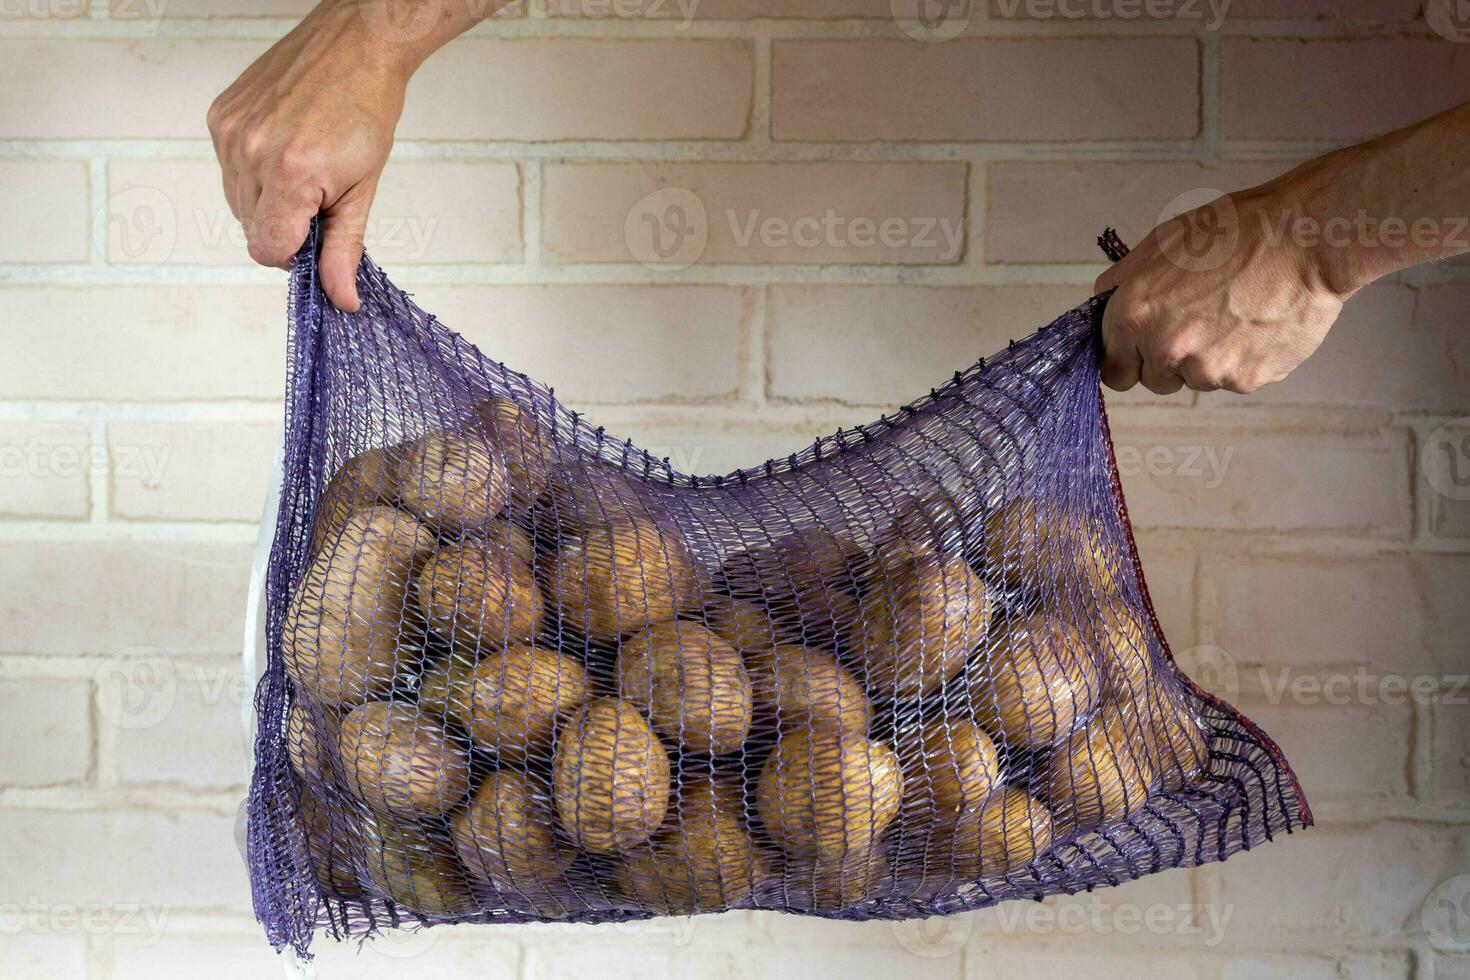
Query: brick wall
{"points": [[878, 210]]}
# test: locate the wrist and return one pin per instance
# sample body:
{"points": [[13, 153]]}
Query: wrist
{"points": [[1331, 255], [395, 37]]}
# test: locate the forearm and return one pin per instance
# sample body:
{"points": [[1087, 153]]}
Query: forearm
{"points": [[402, 34], [1365, 211]]}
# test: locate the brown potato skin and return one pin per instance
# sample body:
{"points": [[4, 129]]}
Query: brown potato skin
{"points": [[398, 761], [831, 884], [507, 834], [340, 639], [933, 522], [610, 777], [1122, 642], [1007, 833], [949, 768], [702, 860], [920, 617], [821, 795], [1036, 545], [454, 484], [441, 679], [511, 702], [332, 842], [620, 578], [585, 497], [742, 622], [1167, 733], [692, 684], [415, 866], [806, 581], [311, 735], [524, 444], [479, 596], [800, 688], [363, 481], [1098, 773], [1039, 679]]}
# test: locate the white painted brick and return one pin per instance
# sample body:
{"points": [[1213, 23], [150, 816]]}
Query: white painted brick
{"points": [[70, 598], [190, 471], [143, 342], [47, 725], [45, 470], [196, 740], [47, 216], [48, 955], [122, 859]]}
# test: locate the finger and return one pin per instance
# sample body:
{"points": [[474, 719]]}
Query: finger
{"points": [[1199, 375], [1119, 272], [343, 228], [247, 192], [1122, 363], [282, 222], [1160, 381], [229, 183]]}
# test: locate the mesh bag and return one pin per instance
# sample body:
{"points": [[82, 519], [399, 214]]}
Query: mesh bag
{"points": [[520, 670]]}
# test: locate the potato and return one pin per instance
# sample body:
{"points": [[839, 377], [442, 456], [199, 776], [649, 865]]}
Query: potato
{"points": [[949, 767], [442, 679], [1123, 643], [1174, 738], [454, 484], [807, 582], [525, 445], [415, 866], [1098, 773], [821, 794], [804, 688], [310, 728], [620, 578], [1037, 681], [340, 639], [592, 495], [479, 596], [702, 860], [332, 842], [1007, 833], [831, 884], [740, 621], [610, 777], [400, 762], [1041, 547], [934, 522], [363, 481], [507, 834], [508, 534], [919, 619], [691, 683], [510, 702]]}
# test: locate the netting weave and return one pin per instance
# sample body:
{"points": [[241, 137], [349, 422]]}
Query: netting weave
{"points": [[518, 669]]}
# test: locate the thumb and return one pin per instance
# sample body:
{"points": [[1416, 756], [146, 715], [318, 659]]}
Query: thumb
{"points": [[343, 226]]}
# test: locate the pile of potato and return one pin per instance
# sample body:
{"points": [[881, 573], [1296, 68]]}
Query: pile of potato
{"points": [[513, 682]]}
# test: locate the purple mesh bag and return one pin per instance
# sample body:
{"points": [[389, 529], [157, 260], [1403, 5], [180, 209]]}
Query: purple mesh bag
{"points": [[520, 670]]}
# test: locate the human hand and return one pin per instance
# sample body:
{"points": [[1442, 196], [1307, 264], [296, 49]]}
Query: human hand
{"points": [[306, 129], [1217, 298]]}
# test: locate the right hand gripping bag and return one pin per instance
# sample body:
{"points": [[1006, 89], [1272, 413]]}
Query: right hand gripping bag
{"points": [[520, 670]]}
